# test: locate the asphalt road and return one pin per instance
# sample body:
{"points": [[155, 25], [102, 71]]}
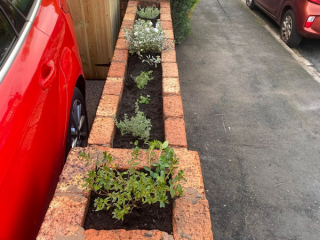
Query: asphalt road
{"points": [[252, 113]]}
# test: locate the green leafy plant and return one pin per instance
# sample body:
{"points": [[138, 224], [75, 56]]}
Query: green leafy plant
{"points": [[145, 38], [143, 79], [151, 60], [143, 100], [138, 125], [148, 12], [181, 12], [123, 191]]}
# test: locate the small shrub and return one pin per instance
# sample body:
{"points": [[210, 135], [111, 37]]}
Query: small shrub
{"points": [[181, 13], [143, 79], [138, 125], [148, 12], [151, 60], [146, 38], [124, 191], [143, 100]]}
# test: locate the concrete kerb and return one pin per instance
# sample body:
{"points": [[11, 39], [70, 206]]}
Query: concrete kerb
{"points": [[66, 213]]}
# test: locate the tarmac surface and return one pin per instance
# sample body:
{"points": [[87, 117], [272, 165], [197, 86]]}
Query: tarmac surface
{"points": [[252, 113]]}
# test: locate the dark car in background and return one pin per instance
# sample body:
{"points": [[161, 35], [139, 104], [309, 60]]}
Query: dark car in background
{"points": [[297, 18], [42, 109]]}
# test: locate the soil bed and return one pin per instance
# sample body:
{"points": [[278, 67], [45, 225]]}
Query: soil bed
{"points": [[131, 93], [148, 217]]}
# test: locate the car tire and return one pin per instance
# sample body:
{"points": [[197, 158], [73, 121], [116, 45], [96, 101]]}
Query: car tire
{"points": [[250, 4], [288, 30], [77, 135]]}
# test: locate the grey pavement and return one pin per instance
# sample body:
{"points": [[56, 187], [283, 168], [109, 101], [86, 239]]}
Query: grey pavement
{"points": [[93, 94], [252, 113]]}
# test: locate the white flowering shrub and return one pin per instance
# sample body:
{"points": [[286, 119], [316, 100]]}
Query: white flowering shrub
{"points": [[145, 38]]}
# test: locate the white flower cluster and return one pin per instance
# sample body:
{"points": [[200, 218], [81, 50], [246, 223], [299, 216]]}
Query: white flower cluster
{"points": [[145, 38]]}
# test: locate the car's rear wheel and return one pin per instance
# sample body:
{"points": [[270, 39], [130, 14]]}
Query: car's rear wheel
{"points": [[250, 4], [288, 30], [77, 135]]}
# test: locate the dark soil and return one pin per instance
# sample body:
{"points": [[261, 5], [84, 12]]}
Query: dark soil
{"points": [[148, 217], [152, 111]]}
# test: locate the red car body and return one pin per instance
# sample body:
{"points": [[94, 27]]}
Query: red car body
{"points": [[36, 93], [306, 19]]}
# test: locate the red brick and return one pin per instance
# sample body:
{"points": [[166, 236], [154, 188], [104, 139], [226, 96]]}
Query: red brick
{"points": [[113, 86], [169, 70], [168, 56], [132, 4], [191, 217], [175, 132], [189, 161], [172, 107], [131, 10], [169, 34], [166, 10], [102, 132], [167, 25], [120, 55], [108, 106], [71, 179], [170, 86], [121, 44], [117, 69], [64, 218], [165, 17], [164, 5], [122, 234], [129, 16]]}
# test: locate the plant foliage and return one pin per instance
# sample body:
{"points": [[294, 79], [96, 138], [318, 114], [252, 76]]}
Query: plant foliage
{"points": [[181, 13], [123, 191], [143, 79], [146, 38], [143, 100], [148, 12], [138, 125]]}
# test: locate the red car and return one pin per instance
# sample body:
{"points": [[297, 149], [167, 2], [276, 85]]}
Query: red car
{"points": [[42, 109], [297, 18]]}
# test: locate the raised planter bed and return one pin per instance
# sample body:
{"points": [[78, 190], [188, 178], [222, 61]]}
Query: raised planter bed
{"points": [[67, 211]]}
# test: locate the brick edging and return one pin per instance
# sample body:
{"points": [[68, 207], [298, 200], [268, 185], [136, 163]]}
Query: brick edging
{"points": [[191, 216]]}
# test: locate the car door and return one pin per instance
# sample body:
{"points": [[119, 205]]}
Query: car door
{"points": [[263, 3], [274, 7], [31, 116]]}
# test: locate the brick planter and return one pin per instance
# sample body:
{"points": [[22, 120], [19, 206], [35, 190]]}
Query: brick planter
{"points": [[191, 216]]}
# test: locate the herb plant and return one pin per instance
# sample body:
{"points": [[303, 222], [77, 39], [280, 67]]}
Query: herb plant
{"points": [[123, 191], [145, 38], [143, 79], [148, 12], [138, 125], [143, 100], [151, 60]]}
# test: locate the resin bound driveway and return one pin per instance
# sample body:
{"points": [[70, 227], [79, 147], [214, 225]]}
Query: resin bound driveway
{"points": [[253, 115]]}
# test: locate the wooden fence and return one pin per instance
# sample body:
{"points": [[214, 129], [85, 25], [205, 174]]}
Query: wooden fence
{"points": [[97, 24]]}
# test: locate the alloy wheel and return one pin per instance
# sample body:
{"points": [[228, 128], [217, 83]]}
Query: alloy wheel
{"points": [[286, 28], [79, 126]]}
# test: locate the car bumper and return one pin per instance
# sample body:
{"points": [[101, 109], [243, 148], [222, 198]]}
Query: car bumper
{"points": [[313, 31]]}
